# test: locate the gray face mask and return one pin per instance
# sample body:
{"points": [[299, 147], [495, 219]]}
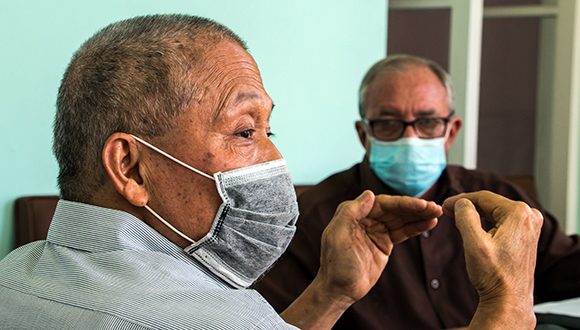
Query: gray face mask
{"points": [[253, 225]]}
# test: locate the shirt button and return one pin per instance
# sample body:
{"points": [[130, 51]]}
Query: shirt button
{"points": [[426, 234], [435, 284]]}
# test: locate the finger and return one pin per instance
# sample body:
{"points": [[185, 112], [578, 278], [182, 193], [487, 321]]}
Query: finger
{"points": [[385, 204], [468, 221], [400, 221], [539, 219], [411, 230], [492, 205], [522, 220], [380, 236], [358, 208], [396, 211]]}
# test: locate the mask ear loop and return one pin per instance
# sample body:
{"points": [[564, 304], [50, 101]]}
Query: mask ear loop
{"points": [[172, 158], [168, 224], [175, 230]]}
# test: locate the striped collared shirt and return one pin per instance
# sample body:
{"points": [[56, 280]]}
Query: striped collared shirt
{"points": [[105, 269]]}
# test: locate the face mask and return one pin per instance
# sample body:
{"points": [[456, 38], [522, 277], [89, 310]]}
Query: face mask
{"points": [[408, 165], [253, 225]]}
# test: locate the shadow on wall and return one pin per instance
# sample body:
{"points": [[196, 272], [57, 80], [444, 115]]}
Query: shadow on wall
{"points": [[7, 230]]}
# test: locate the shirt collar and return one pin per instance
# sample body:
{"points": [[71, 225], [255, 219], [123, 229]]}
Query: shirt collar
{"points": [[454, 178], [97, 229]]}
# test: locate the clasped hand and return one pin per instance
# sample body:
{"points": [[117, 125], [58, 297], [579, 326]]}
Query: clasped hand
{"points": [[357, 244]]}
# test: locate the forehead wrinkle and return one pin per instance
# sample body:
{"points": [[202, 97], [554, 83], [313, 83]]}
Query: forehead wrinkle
{"points": [[219, 75], [222, 62], [226, 82], [226, 97], [229, 76], [211, 65]]}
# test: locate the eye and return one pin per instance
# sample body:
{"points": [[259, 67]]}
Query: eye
{"points": [[430, 123], [387, 125], [246, 134], [270, 134]]}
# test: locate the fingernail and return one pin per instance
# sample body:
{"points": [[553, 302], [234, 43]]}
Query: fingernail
{"points": [[461, 203], [365, 196]]}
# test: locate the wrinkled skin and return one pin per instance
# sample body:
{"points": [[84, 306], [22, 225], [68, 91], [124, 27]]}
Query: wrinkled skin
{"points": [[500, 262]]}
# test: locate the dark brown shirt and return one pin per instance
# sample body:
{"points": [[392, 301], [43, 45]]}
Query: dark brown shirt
{"points": [[425, 283]]}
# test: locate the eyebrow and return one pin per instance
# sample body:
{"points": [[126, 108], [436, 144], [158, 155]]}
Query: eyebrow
{"points": [[389, 112], [271, 110], [240, 97], [397, 113], [245, 96], [426, 112]]}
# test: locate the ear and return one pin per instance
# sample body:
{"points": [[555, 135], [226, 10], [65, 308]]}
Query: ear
{"points": [[454, 126], [362, 133], [121, 159]]}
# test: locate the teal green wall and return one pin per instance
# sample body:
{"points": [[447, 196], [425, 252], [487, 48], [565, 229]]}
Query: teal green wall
{"points": [[312, 55]]}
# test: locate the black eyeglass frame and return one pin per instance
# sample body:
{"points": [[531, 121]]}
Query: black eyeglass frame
{"points": [[370, 124]]}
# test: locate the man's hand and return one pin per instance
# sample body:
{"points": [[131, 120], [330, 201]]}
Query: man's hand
{"points": [[500, 262], [355, 249], [357, 243]]}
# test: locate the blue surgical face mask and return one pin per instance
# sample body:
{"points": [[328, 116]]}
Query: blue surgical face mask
{"points": [[408, 165]]}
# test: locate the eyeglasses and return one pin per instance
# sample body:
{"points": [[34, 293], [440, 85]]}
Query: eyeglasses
{"points": [[393, 129]]}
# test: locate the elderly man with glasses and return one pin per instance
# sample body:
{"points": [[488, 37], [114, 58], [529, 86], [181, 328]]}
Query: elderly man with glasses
{"points": [[407, 127]]}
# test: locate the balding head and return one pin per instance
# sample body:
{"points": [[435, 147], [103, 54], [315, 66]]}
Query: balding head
{"points": [[132, 76], [399, 63]]}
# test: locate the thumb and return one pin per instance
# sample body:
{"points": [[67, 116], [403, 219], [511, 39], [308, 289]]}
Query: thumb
{"points": [[357, 209], [365, 203], [467, 221]]}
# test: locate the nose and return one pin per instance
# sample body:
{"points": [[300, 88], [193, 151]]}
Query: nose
{"points": [[269, 151], [409, 132]]}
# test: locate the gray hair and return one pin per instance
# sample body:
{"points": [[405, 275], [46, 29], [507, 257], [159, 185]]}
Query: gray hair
{"points": [[399, 63], [132, 76]]}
